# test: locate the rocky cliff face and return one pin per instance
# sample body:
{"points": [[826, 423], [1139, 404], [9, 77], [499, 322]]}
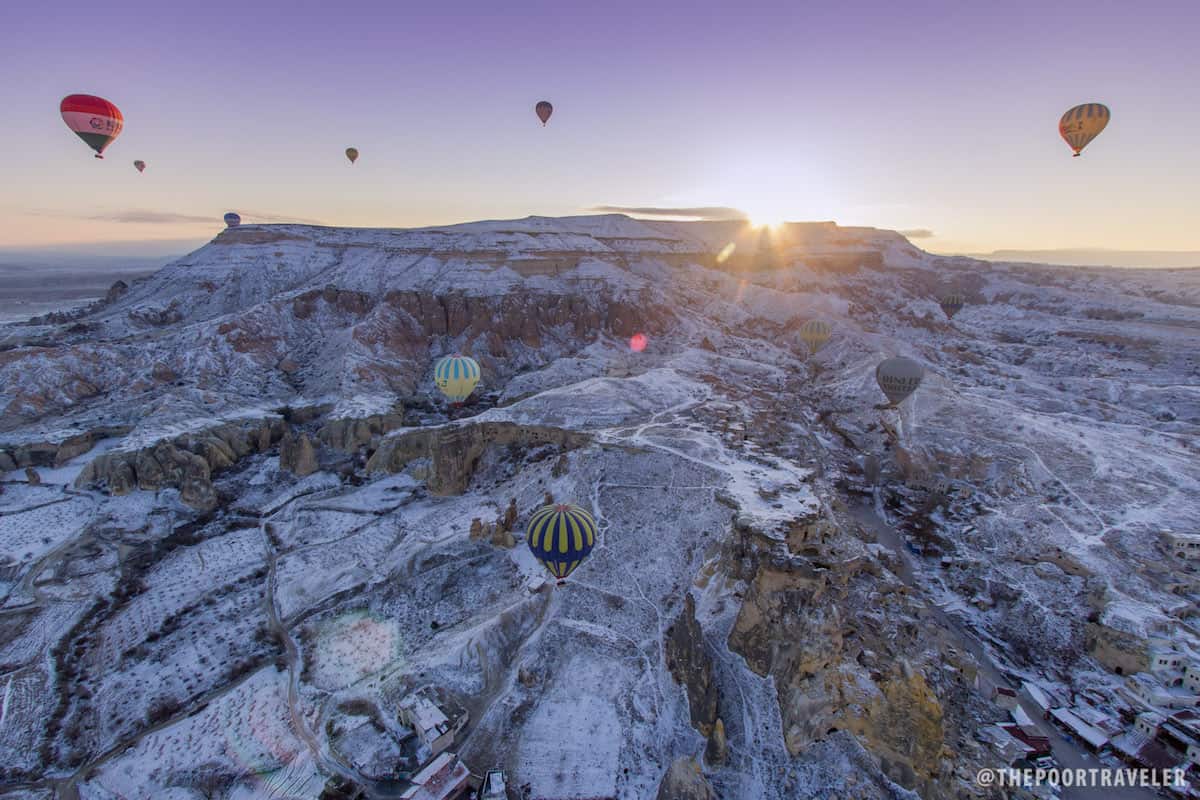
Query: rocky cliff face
{"points": [[849, 649], [186, 462], [451, 453]]}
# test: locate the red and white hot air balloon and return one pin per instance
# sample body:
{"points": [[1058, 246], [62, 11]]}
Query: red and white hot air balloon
{"points": [[93, 119]]}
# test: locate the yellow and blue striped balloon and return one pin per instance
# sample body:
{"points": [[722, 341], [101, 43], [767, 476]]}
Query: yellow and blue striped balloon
{"points": [[561, 536], [815, 333], [456, 376], [952, 304]]}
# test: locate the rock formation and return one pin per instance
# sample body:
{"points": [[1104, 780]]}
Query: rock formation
{"points": [[297, 455], [454, 450]]}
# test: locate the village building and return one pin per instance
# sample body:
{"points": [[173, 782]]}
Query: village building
{"points": [[1009, 749], [1147, 690], [1179, 738], [1191, 677], [1098, 718], [494, 786], [1184, 546], [444, 778], [1004, 697], [1142, 751], [433, 727], [1147, 723], [1043, 697], [1090, 736], [1166, 660], [1035, 744]]}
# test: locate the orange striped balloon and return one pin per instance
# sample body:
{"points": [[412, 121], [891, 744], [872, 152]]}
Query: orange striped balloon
{"points": [[1082, 124]]}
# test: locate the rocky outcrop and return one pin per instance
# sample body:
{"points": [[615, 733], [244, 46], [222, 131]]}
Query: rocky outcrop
{"points": [[55, 453], [348, 435], [716, 750], [453, 451], [1119, 651], [185, 462], [848, 651], [685, 781], [297, 455], [691, 667]]}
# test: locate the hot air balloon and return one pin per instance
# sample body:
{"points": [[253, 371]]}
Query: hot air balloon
{"points": [[233, 220], [561, 536], [93, 119], [638, 342], [951, 304], [815, 334], [140, 165], [898, 378], [352, 154], [456, 376], [543, 109], [1082, 124]]}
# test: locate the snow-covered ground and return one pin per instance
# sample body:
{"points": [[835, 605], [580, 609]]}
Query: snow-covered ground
{"points": [[148, 648]]}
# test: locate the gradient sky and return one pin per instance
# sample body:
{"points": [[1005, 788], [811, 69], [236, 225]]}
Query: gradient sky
{"points": [[937, 115]]}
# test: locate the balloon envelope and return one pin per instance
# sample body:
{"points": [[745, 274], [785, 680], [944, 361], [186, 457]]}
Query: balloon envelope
{"points": [[898, 378], [1082, 124], [352, 154], [456, 376], [140, 165], [233, 220], [93, 119], [952, 304], [543, 110], [561, 536], [637, 342], [815, 334]]}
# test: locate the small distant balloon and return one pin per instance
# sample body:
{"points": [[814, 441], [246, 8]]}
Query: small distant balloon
{"points": [[898, 378], [352, 154], [637, 342], [93, 119], [815, 333], [140, 165], [233, 220], [951, 304], [1082, 124], [543, 110]]}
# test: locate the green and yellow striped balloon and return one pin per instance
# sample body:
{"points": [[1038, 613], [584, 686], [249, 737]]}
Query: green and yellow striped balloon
{"points": [[561, 536], [815, 333], [456, 376]]}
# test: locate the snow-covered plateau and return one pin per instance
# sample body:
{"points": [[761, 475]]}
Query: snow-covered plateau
{"points": [[241, 533]]}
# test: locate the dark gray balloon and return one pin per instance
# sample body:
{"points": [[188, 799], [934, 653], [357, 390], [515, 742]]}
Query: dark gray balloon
{"points": [[898, 378]]}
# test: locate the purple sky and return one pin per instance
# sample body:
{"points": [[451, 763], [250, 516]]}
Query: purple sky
{"points": [[939, 116]]}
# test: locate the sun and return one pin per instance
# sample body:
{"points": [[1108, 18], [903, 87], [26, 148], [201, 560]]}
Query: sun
{"points": [[765, 215]]}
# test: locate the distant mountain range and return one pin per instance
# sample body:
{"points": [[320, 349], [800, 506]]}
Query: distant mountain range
{"points": [[1098, 257]]}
